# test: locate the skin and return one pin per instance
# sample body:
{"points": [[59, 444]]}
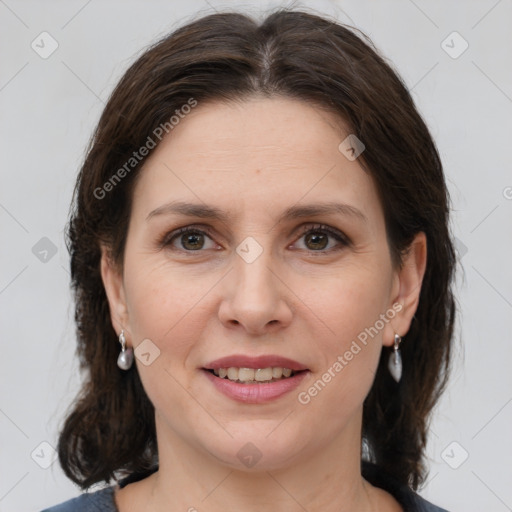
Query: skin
{"points": [[253, 159]]}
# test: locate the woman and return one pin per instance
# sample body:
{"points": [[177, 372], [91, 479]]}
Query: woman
{"points": [[260, 240]]}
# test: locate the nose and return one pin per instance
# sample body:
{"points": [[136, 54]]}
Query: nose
{"points": [[255, 297]]}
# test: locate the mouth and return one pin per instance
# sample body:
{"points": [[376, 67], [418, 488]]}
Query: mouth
{"points": [[254, 375], [255, 379]]}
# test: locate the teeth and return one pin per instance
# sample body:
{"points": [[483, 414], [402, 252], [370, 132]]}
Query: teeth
{"points": [[277, 372], [245, 374], [252, 376], [262, 374], [233, 373]]}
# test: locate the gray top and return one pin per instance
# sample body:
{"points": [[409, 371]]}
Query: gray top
{"points": [[103, 500]]}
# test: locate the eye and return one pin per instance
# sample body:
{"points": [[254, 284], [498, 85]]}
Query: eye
{"points": [[192, 239], [189, 238], [316, 238]]}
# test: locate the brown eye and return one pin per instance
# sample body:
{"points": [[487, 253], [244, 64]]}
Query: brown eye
{"points": [[188, 239], [316, 239], [192, 241]]}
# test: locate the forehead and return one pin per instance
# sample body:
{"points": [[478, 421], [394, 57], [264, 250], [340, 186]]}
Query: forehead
{"points": [[283, 128], [254, 156]]}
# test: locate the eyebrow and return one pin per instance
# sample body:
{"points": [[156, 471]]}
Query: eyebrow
{"points": [[205, 211]]}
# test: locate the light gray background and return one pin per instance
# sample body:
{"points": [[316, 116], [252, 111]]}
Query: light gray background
{"points": [[48, 110]]}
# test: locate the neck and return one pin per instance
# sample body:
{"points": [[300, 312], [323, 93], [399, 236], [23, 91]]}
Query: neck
{"points": [[326, 479]]}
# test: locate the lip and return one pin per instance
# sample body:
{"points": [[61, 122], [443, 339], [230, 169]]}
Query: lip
{"points": [[266, 361], [255, 393]]}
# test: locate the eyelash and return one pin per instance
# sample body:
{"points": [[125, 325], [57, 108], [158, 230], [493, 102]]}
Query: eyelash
{"points": [[168, 238]]}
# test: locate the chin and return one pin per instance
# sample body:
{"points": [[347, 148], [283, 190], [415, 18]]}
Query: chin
{"points": [[255, 450]]}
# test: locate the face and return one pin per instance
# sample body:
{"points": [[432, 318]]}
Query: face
{"points": [[266, 283]]}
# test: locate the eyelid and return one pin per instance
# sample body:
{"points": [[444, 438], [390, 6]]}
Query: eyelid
{"points": [[166, 239], [302, 230], [324, 227], [342, 239]]}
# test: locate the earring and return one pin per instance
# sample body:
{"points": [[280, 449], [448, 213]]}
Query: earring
{"points": [[125, 359], [395, 360]]}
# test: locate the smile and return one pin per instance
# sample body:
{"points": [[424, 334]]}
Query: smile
{"points": [[253, 391], [254, 375]]}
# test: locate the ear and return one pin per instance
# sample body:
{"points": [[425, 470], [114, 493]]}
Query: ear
{"points": [[114, 288], [406, 288]]}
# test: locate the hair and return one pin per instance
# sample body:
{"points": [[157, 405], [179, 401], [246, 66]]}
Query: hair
{"points": [[110, 429]]}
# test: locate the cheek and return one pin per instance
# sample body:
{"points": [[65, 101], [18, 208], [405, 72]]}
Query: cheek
{"points": [[349, 358], [165, 308], [352, 309], [350, 304], [161, 299]]}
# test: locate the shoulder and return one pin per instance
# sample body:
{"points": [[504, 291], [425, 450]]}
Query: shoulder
{"points": [[419, 504], [404, 495], [98, 501]]}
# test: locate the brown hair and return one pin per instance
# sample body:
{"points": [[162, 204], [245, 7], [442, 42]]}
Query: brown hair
{"points": [[229, 56]]}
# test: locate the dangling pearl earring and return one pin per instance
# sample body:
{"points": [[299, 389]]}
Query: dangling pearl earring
{"points": [[125, 359], [395, 360]]}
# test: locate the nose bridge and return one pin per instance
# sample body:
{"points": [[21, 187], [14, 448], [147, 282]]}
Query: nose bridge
{"points": [[256, 297], [254, 279]]}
